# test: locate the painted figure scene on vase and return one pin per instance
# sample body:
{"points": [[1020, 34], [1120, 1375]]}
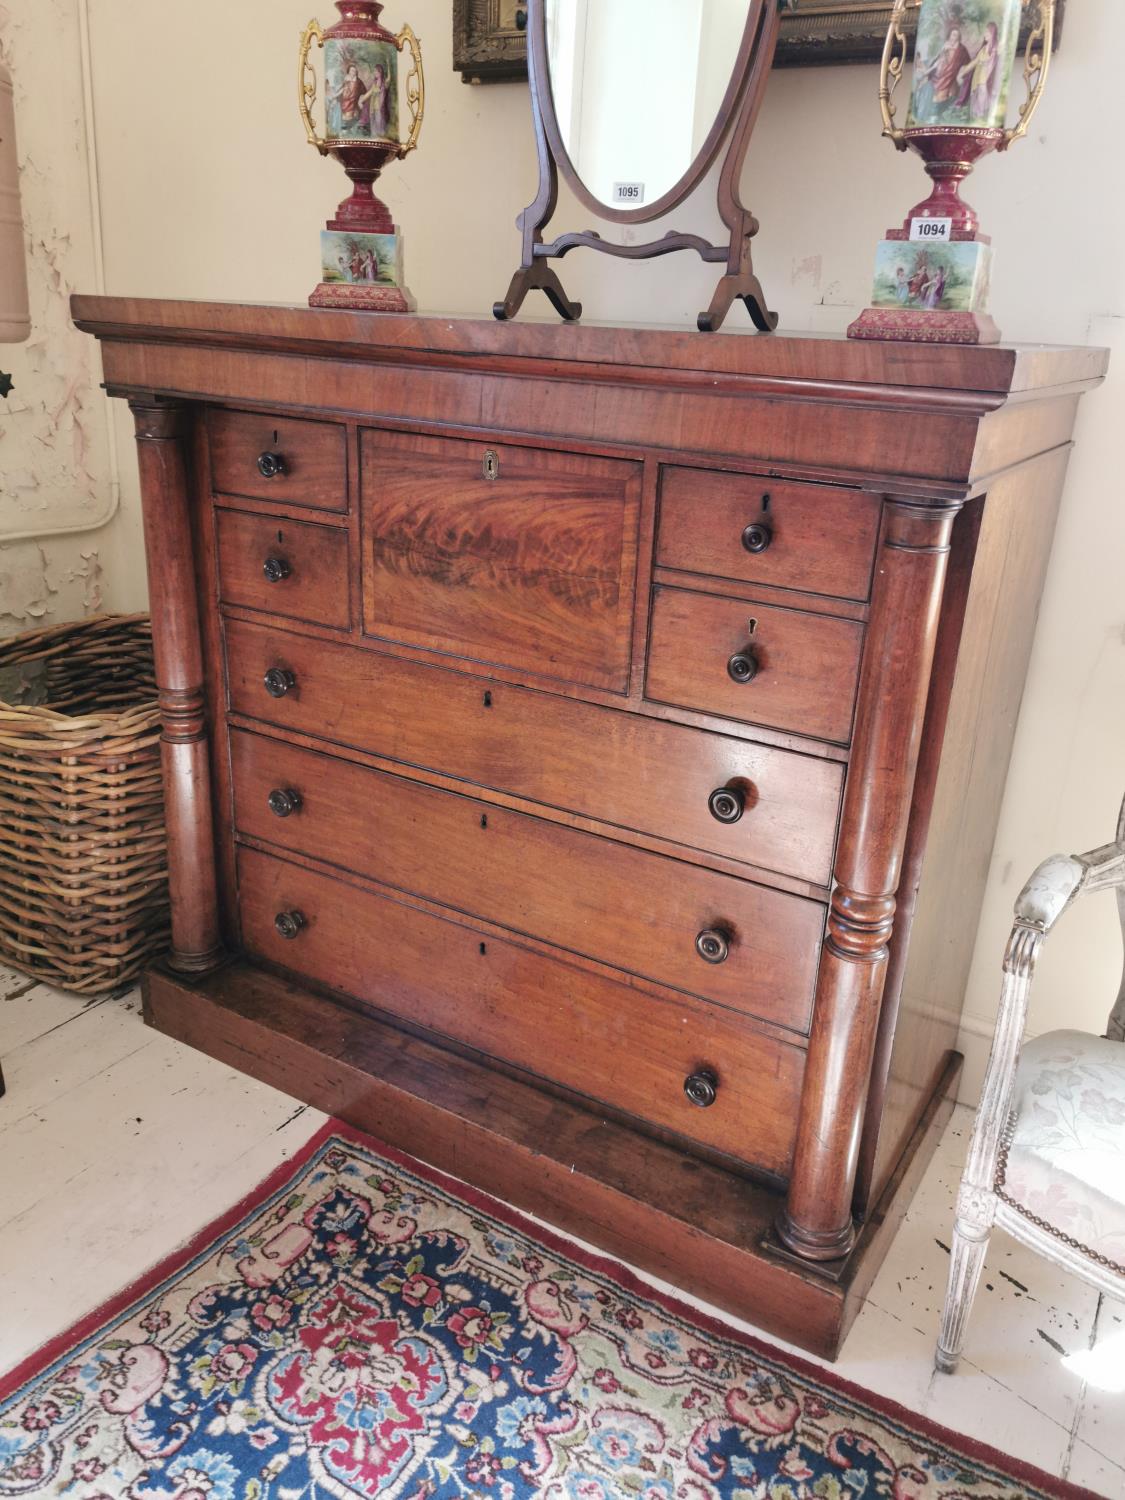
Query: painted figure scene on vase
{"points": [[360, 259], [362, 90], [932, 278], [963, 63]]}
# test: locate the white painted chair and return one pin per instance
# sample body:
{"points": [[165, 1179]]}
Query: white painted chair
{"points": [[1047, 1156]]}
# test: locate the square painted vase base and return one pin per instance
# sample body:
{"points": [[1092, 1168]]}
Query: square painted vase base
{"points": [[365, 298], [925, 327], [930, 294], [361, 269]]}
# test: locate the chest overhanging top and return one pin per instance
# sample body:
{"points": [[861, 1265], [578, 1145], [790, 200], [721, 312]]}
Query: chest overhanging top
{"points": [[898, 417]]}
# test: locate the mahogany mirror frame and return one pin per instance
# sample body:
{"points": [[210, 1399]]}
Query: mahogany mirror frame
{"points": [[733, 125]]}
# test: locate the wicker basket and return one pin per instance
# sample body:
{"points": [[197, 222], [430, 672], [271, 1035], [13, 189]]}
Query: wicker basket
{"points": [[83, 862]]}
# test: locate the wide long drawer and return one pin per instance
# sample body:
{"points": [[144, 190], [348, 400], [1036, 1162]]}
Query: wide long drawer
{"points": [[628, 908], [621, 768], [629, 1050]]}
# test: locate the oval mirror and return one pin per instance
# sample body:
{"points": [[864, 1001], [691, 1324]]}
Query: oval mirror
{"points": [[632, 101], [639, 87]]}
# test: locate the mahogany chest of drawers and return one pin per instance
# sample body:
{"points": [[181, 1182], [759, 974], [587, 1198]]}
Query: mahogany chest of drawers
{"points": [[583, 749]]}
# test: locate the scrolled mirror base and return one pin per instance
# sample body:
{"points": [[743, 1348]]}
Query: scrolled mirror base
{"points": [[744, 285], [539, 276]]}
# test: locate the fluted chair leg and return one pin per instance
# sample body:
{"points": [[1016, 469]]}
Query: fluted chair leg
{"points": [[970, 1244]]}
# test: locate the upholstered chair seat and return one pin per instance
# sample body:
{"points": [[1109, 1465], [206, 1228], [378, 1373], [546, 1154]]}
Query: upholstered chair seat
{"points": [[1062, 1154]]}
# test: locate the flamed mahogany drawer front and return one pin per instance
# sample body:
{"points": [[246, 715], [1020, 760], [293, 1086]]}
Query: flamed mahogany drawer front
{"points": [[634, 772], [287, 459], [287, 567], [796, 536], [593, 1035], [783, 667], [719, 937], [517, 556]]}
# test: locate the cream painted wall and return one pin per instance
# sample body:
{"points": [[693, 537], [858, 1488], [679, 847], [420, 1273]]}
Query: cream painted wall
{"points": [[207, 190]]}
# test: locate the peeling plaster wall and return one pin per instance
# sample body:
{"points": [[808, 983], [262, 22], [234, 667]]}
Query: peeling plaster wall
{"points": [[55, 455]]}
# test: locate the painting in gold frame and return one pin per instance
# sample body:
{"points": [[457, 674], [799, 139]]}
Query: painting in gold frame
{"points": [[490, 36]]}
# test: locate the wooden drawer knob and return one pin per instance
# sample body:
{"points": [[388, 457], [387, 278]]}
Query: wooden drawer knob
{"points": [[726, 804], [702, 1087], [713, 945], [283, 801], [743, 666], [757, 536], [275, 569], [289, 923], [279, 681], [270, 465]]}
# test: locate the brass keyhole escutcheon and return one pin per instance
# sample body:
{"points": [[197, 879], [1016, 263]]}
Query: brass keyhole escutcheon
{"points": [[490, 466]]}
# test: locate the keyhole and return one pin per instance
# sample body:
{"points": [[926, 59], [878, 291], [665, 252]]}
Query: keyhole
{"points": [[483, 948], [765, 502], [275, 437], [484, 820], [488, 700], [751, 626], [279, 536]]}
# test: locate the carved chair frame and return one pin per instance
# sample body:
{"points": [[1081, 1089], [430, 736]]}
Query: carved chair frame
{"points": [[981, 1206]]}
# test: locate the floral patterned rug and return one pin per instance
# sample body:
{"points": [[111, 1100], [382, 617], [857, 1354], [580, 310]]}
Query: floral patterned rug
{"points": [[362, 1326]]}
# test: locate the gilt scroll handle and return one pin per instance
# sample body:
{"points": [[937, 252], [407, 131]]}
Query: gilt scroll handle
{"points": [[415, 88], [162, 429], [816, 1223], [1037, 64], [306, 85], [891, 72]]}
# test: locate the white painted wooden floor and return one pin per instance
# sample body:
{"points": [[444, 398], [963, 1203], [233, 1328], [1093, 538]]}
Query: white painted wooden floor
{"points": [[116, 1144]]}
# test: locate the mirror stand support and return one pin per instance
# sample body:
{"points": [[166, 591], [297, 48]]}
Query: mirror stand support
{"points": [[739, 282], [742, 282], [539, 275]]}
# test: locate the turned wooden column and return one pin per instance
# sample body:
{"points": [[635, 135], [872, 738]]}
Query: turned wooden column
{"points": [[161, 430], [817, 1220]]}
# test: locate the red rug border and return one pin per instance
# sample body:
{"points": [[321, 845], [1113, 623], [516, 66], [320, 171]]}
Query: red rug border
{"points": [[1004, 1464]]}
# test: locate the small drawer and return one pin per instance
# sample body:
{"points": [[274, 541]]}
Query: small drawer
{"points": [[286, 567], [624, 769], [626, 907], [639, 1053], [794, 536], [521, 557], [285, 459], [783, 667]]}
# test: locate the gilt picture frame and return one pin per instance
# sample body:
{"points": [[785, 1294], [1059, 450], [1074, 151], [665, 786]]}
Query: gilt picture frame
{"points": [[490, 37], [490, 40]]}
